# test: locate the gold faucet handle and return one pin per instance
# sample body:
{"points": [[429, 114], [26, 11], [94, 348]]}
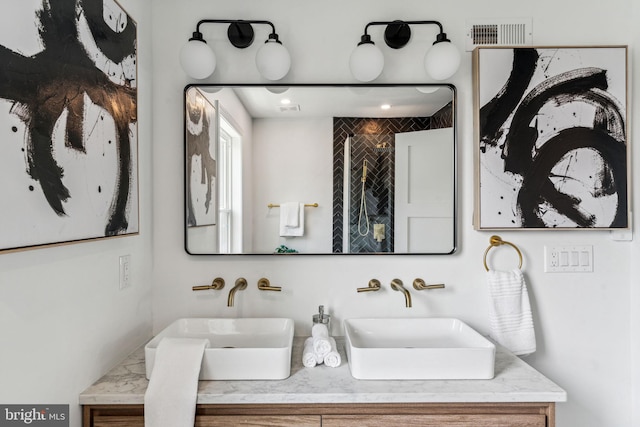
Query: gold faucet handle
{"points": [[265, 285], [374, 285], [218, 283], [420, 285]]}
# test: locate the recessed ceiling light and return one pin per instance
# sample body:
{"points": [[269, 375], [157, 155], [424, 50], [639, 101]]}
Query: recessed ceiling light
{"points": [[385, 106]]}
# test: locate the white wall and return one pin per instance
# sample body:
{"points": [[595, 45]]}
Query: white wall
{"points": [[276, 179], [584, 321], [634, 256], [63, 320]]}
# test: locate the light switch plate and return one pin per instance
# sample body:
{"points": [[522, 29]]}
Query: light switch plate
{"points": [[568, 259], [125, 271]]}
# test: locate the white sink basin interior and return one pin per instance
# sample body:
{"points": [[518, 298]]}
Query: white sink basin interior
{"points": [[240, 349], [418, 348]]}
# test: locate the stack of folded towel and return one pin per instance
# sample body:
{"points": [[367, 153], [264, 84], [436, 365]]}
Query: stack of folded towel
{"points": [[320, 348]]}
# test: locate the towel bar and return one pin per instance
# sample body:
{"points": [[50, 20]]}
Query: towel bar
{"points": [[309, 205], [495, 241]]}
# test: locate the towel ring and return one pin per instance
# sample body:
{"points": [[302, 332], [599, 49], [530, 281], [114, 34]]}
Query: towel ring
{"points": [[495, 241]]}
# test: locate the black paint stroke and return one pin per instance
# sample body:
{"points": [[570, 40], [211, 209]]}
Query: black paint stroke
{"points": [[534, 164], [538, 189], [495, 112], [42, 86], [199, 145], [109, 42], [562, 89]]}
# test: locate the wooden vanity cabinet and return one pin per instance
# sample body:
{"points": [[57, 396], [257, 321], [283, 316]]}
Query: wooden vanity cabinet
{"points": [[342, 415]]}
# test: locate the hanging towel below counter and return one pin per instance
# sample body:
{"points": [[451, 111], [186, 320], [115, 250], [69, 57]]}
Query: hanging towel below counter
{"points": [[510, 318], [292, 219], [170, 399]]}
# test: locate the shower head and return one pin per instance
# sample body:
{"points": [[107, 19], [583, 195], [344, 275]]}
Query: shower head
{"points": [[383, 148]]}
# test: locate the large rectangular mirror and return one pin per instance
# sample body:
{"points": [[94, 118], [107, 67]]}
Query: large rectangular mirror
{"points": [[320, 169]]}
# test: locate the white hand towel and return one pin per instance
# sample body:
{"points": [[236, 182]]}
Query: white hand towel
{"points": [[170, 399], [290, 214], [510, 318], [333, 359], [308, 355], [321, 343], [292, 219]]}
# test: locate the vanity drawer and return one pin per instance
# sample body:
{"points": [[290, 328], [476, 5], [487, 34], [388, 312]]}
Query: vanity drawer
{"points": [[435, 420]]}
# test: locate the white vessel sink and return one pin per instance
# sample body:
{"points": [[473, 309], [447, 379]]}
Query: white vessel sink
{"points": [[240, 349], [419, 348]]}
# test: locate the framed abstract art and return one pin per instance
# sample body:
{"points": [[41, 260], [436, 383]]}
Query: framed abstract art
{"points": [[68, 122], [550, 136], [201, 135]]}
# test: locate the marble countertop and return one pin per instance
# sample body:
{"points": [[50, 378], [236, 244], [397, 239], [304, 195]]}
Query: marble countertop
{"points": [[514, 381]]}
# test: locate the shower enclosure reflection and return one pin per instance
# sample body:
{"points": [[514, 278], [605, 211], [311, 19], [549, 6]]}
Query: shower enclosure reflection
{"points": [[381, 181], [396, 195], [369, 194]]}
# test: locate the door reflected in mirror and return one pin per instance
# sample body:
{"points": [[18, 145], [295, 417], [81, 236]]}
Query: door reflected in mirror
{"points": [[320, 169]]}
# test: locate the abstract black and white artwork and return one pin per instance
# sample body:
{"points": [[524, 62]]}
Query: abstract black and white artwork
{"points": [[201, 167], [68, 122], [551, 138]]}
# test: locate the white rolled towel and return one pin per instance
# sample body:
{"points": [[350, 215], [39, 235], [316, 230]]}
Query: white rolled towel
{"points": [[333, 359], [309, 359], [321, 343]]}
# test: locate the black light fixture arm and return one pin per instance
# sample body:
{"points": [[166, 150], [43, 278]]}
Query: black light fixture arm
{"points": [[240, 31], [403, 22], [398, 33]]}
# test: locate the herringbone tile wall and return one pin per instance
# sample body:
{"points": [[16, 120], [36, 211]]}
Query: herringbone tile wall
{"points": [[372, 140]]}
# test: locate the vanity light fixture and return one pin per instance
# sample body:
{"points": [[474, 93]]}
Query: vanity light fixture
{"points": [[272, 59], [366, 62]]}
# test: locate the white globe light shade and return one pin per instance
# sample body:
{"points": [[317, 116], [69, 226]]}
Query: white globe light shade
{"points": [[427, 89], [197, 59], [273, 60], [442, 60], [366, 62]]}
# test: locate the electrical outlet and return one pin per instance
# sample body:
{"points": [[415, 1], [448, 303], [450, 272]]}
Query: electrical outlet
{"points": [[125, 271], [568, 259]]}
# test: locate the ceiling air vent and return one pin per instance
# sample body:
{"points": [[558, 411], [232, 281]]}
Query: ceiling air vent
{"points": [[499, 32], [288, 108]]}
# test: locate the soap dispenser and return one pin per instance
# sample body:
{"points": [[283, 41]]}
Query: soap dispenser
{"points": [[322, 318]]}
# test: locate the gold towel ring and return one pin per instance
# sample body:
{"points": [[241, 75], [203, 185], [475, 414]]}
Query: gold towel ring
{"points": [[497, 241]]}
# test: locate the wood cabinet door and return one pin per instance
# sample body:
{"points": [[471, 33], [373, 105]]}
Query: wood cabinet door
{"points": [[258, 421], [531, 420]]}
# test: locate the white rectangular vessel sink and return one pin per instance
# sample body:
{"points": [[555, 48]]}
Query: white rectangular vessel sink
{"points": [[240, 349], [417, 349]]}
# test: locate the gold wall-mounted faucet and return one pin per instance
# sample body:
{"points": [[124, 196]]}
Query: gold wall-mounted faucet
{"points": [[374, 285], [420, 285], [265, 285], [240, 285], [218, 283], [396, 285]]}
